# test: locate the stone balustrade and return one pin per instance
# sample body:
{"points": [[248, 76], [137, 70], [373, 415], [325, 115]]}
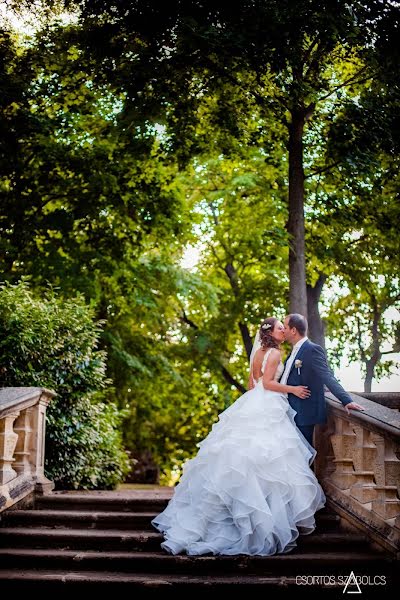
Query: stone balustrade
{"points": [[389, 399], [357, 462], [22, 442], [358, 465]]}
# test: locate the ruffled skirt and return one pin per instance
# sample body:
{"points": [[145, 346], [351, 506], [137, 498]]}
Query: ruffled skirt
{"points": [[249, 489]]}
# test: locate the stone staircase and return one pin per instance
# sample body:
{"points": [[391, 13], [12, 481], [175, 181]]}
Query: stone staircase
{"points": [[95, 540]]}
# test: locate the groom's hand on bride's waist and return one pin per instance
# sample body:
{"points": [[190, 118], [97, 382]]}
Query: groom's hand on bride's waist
{"points": [[353, 406]]}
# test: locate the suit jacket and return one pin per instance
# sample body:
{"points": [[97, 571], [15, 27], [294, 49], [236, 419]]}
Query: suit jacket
{"points": [[314, 373]]}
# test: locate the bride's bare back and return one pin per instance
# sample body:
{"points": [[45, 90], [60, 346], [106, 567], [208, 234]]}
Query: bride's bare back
{"points": [[261, 363], [257, 363]]}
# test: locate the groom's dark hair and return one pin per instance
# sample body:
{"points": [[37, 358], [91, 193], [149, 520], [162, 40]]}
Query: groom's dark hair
{"points": [[299, 322]]}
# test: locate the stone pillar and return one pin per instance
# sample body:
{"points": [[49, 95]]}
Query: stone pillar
{"points": [[364, 451], [343, 441], [387, 475], [43, 485], [8, 441], [23, 428], [324, 466]]}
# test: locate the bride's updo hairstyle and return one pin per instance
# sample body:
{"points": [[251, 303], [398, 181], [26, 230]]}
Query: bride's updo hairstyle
{"points": [[266, 329]]}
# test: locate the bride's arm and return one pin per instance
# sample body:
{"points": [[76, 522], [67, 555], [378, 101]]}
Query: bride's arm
{"points": [[269, 382]]}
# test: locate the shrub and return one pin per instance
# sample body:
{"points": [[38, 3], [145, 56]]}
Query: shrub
{"points": [[51, 342]]}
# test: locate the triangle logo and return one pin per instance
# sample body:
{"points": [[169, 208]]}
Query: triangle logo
{"points": [[352, 580]]}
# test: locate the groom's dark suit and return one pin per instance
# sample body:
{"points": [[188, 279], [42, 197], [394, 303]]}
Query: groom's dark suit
{"points": [[314, 373]]}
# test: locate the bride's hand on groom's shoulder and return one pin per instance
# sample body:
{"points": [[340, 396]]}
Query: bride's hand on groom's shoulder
{"points": [[353, 406]]}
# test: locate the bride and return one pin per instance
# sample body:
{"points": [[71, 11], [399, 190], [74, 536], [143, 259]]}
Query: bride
{"points": [[250, 488]]}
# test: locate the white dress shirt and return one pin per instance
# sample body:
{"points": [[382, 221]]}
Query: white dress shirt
{"points": [[291, 359]]}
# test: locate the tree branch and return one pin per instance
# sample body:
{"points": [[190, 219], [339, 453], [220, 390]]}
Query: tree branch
{"points": [[261, 101], [316, 57], [233, 278], [352, 81], [185, 319], [231, 380], [225, 373], [389, 302], [244, 330], [310, 49], [320, 284], [323, 169], [214, 252], [214, 213], [362, 238]]}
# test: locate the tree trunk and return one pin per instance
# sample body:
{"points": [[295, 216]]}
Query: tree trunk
{"points": [[248, 342], [295, 224], [316, 327], [369, 377], [376, 351]]}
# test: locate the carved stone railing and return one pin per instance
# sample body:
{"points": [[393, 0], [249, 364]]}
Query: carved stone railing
{"points": [[389, 399], [358, 465], [22, 438]]}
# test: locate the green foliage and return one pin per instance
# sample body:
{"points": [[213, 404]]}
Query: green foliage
{"points": [[47, 342], [53, 342], [84, 445], [353, 235], [140, 130]]}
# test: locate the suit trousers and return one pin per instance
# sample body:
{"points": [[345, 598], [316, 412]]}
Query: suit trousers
{"points": [[308, 432]]}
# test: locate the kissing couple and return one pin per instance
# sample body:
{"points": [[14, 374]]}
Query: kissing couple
{"points": [[251, 489]]}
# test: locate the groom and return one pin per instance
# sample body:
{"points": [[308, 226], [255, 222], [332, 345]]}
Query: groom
{"points": [[307, 366]]}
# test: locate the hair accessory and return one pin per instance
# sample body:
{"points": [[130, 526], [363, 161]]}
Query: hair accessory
{"points": [[266, 326]]}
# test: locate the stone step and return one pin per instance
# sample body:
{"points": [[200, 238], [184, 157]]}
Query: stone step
{"points": [[117, 539], [293, 563], [112, 501], [98, 502], [74, 519], [96, 581], [149, 584], [109, 539], [88, 540], [51, 518], [327, 521]]}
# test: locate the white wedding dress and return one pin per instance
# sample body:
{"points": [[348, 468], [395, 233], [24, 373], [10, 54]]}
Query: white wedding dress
{"points": [[249, 489]]}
